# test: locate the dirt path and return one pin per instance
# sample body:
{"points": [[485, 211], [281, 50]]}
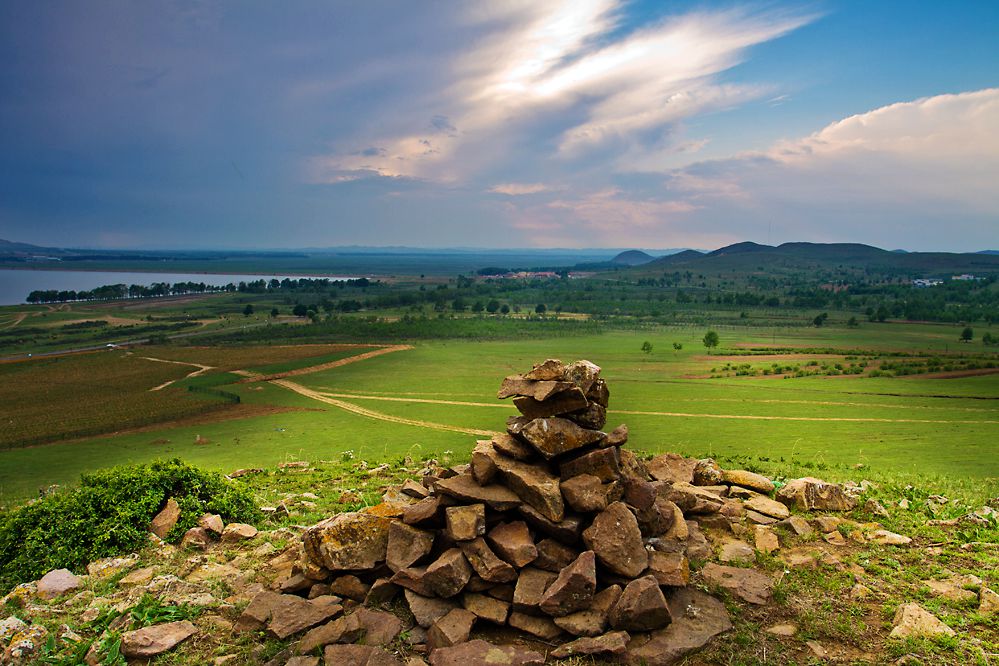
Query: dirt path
{"points": [[361, 411], [255, 377], [201, 370], [650, 413], [17, 320]]}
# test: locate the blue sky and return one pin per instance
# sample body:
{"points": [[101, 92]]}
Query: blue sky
{"points": [[582, 123]]}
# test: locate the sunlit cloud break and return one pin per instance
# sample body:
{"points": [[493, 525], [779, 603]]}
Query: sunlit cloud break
{"points": [[562, 72]]}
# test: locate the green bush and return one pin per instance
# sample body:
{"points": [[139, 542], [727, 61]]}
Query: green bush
{"points": [[109, 514]]}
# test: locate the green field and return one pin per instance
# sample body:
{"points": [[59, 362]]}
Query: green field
{"points": [[910, 425]]}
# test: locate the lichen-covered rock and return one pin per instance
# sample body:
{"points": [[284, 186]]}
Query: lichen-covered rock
{"points": [[349, 541], [751, 480], [465, 522], [555, 436], [912, 620], [56, 583], [482, 652], [707, 473]]}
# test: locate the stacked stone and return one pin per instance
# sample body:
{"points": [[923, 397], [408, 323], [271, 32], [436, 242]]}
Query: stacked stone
{"points": [[554, 529]]}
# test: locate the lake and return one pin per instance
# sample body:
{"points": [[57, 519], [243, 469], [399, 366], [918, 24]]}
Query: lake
{"points": [[15, 285]]}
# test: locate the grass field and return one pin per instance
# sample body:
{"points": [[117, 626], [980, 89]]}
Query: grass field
{"points": [[414, 400]]}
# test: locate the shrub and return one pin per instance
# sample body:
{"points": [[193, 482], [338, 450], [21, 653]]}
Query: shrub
{"points": [[109, 514]]}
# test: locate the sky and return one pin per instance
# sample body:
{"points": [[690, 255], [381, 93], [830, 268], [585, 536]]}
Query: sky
{"points": [[507, 123]]}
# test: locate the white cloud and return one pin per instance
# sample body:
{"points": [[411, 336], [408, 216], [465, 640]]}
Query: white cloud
{"points": [[562, 79], [519, 189]]}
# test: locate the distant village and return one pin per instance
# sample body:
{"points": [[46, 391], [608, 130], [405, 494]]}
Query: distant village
{"points": [[922, 283]]}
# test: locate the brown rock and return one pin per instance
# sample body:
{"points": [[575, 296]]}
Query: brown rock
{"points": [[294, 661], [414, 489], [692, 499], [539, 390], [375, 627], [533, 484], [619, 435], [657, 519], [797, 524], [593, 620], [467, 522], [56, 583], [988, 601], [283, 614], [481, 652], [585, 493], [486, 607], [642, 607], [612, 644], [912, 620], [424, 513], [350, 587], [766, 539], [451, 629], [348, 541], [767, 507], [541, 627], [583, 374], [707, 473], [592, 417], [482, 463], [485, 563], [697, 618], [547, 370], [165, 519], [406, 545], [573, 589], [809, 494], [513, 543], [566, 530], [750, 585], [672, 467], [358, 655], [236, 532], [531, 586], [617, 541], [605, 464], [632, 466], [157, 639], [555, 436], [669, 568], [212, 523], [512, 447], [465, 489], [560, 403], [554, 556], [381, 591], [599, 393], [736, 550], [751, 480], [449, 574], [427, 610], [197, 538], [413, 578]]}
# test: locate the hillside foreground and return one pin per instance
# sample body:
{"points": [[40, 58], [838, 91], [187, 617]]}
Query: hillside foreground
{"points": [[873, 570]]}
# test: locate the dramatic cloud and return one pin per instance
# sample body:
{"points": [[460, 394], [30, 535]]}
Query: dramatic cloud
{"points": [[564, 71]]}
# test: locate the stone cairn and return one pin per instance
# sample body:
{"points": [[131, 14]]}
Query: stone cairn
{"points": [[553, 529]]}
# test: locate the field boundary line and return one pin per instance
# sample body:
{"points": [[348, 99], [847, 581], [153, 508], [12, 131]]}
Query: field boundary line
{"points": [[361, 411], [257, 377], [201, 370]]}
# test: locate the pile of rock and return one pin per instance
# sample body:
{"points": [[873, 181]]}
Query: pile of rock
{"points": [[554, 529]]}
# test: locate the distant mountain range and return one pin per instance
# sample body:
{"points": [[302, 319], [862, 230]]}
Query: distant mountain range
{"points": [[749, 256]]}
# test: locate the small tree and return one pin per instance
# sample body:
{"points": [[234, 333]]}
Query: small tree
{"points": [[248, 310], [274, 312], [820, 319], [647, 347], [853, 323], [492, 306], [540, 308], [505, 309], [300, 310], [710, 339], [677, 346], [967, 334]]}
